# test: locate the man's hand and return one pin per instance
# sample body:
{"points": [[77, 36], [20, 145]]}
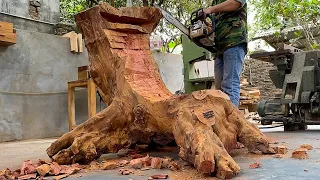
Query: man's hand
{"points": [[202, 14], [206, 11]]}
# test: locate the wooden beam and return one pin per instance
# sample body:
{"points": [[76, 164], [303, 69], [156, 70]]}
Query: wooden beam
{"points": [[71, 107], [79, 83], [92, 106], [73, 40], [83, 68], [80, 43]]}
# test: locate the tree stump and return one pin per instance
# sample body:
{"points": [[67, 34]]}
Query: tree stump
{"points": [[205, 124]]}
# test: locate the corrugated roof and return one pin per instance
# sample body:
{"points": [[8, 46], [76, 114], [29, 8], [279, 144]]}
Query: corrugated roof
{"points": [[278, 42]]}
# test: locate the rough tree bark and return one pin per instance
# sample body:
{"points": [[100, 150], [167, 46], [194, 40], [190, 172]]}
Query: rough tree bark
{"points": [[141, 110]]}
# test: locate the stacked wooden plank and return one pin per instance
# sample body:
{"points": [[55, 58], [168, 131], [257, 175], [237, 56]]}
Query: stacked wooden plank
{"points": [[249, 97], [8, 35]]}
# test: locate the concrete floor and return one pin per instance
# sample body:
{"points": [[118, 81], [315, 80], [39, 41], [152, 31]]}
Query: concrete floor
{"points": [[285, 168], [13, 154]]}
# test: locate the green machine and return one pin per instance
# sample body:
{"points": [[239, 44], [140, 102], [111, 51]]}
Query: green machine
{"points": [[192, 53], [198, 43], [297, 73]]}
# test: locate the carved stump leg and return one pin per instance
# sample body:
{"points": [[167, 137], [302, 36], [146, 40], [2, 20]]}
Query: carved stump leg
{"points": [[202, 147], [92, 138]]}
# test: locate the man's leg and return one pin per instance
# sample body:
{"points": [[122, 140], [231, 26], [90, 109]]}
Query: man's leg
{"points": [[218, 72], [233, 60]]}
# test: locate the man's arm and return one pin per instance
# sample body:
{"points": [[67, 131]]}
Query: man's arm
{"points": [[227, 6]]}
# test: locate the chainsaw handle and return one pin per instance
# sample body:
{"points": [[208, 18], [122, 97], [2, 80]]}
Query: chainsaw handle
{"points": [[195, 16], [199, 15], [210, 16]]}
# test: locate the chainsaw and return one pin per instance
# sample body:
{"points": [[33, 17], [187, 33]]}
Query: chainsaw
{"points": [[200, 31]]}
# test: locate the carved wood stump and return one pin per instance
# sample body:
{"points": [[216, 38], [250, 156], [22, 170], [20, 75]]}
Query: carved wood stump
{"points": [[205, 125]]}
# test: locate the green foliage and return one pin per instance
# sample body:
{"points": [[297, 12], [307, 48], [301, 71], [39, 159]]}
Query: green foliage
{"points": [[69, 8], [181, 9], [280, 14]]}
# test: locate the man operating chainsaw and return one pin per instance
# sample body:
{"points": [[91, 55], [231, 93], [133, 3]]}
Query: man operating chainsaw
{"points": [[231, 44]]}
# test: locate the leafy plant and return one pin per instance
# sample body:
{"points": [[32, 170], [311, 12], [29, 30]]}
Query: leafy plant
{"points": [[278, 15], [69, 8]]}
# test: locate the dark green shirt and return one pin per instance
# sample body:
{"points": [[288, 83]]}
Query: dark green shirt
{"points": [[231, 28]]}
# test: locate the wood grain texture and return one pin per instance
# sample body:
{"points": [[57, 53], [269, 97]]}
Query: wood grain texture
{"points": [[6, 27], [73, 41], [205, 124]]}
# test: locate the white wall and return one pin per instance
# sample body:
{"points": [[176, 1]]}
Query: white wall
{"points": [[171, 69]]}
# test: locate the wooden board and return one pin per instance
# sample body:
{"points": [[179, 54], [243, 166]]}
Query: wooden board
{"points": [[7, 34], [92, 99], [79, 83], [7, 39], [73, 40], [6, 27], [76, 42], [71, 108], [83, 73], [80, 43]]}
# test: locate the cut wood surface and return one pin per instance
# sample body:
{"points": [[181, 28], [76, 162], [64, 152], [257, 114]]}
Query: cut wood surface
{"points": [[205, 124], [6, 27]]}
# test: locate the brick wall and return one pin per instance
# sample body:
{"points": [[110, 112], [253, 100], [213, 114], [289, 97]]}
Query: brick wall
{"points": [[34, 9], [257, 74]]}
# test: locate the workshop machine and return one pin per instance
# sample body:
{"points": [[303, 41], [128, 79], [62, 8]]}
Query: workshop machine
{"points": [[192, 53], [298, 75], [198, 45]]}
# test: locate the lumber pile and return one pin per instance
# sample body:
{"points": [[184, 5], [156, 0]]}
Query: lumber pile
{"points": [[249, 97], [8, 35]]}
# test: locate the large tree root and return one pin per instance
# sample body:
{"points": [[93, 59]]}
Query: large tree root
{"points": [[205, 124]]}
